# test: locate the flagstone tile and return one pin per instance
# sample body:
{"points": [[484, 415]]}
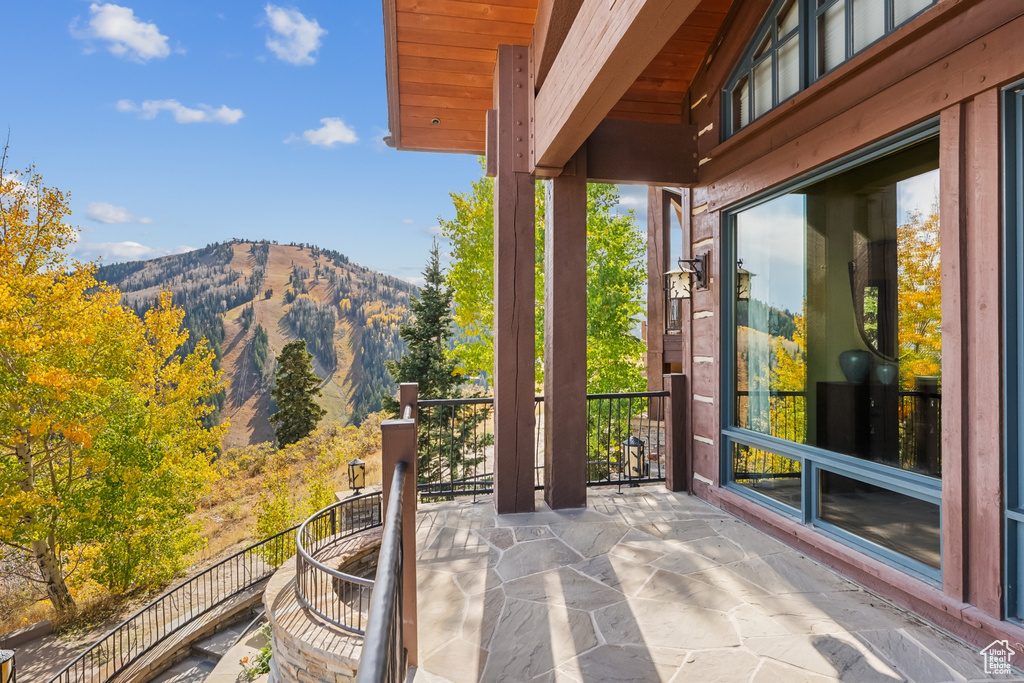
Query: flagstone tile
{"points": [[477, 581], [636, 554], [532, 533], [481, 616], [563, 586], [670, 587], [816, 613], [649, 623], [721, 666], [457, 550], [839, 656], [627, 663], [907, 656], [616, 572], [678, 530], [590, 540], [459, 661], [441, 604], [501, 538], [790, 572], [533, 638], [773, 672], [755, 543], [528, 558]]}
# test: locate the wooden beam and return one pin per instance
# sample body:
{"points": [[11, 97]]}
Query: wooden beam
{"points": [[657, 265], [605, 51], [642, 153], [391, 73], [565, 340], [554, 19], [514, 256]]}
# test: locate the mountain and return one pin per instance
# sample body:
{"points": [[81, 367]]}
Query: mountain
{"points": [[249, 299]]}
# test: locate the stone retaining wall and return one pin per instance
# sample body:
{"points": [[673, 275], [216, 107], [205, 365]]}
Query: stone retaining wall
{"points": [[306, 648]]}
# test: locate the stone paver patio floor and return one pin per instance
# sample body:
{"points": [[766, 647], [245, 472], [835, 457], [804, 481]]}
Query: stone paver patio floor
{"points": [[648, 585]]}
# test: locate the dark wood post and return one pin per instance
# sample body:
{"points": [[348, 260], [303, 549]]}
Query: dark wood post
{"points": [[565, 339], [408, 395], [398, 444], [657, 262], [514, 258], [677, 462]]}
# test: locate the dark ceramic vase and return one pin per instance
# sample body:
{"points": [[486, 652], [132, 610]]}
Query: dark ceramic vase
{"points": [[856, 365]]}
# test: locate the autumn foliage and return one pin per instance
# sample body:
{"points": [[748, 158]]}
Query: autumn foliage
{"points": [[102, 448]]}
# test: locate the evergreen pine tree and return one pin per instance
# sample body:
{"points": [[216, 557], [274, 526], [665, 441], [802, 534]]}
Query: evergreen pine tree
{"points": [[449, 445], [296, 386]]}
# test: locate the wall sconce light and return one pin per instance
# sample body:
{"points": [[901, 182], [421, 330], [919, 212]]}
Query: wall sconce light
{"points": [[742, 282], [356, 475], [680, 282]]}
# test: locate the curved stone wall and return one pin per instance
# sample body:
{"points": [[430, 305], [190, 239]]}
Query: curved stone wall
{"points": [[306, 648]]}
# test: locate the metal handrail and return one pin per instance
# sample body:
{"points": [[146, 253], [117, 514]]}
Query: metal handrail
{"points": [[330, 593], [384, 658], [121, 645]]}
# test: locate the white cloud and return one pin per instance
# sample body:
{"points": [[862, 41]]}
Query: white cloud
{"points": [[332, 132], [201, 114], [129, 37], [295, 37], [108, 213], [408, 221], [111, 252]]}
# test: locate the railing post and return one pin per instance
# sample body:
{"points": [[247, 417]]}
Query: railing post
{"points": [[398, 444], [408, 395], [677, 462]]}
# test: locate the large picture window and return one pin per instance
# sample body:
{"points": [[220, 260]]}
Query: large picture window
{"points": [[836, 345], [800, 41]]}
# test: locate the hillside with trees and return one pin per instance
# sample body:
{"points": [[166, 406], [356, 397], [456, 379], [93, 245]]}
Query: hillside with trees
{"points": [[250, 299]]}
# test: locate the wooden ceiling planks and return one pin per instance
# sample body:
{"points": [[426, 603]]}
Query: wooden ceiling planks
{"points": [[444, 62]]}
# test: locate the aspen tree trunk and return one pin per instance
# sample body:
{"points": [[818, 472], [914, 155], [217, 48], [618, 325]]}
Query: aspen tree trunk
{"points": [[44, 552]]}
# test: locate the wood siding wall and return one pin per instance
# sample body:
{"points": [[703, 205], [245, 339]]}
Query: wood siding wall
{"points": [[948, 64]]}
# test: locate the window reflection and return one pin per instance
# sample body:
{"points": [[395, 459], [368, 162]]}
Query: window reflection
{"points": [[892, 520], [839, 344], [768, 473]]}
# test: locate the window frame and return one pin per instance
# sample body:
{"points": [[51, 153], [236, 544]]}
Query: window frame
{"points": [[808, 14], [1013, 336], [813, 459]]}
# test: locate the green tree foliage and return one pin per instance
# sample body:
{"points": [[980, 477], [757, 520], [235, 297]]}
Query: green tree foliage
{"points": [[615, 278], [428, 363], [294, 392], [315, 324], [260, 349], [103, 452]]}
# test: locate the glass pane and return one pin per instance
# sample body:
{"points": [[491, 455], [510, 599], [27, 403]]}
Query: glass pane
{"points": [[788, 18], [868, 22], [769, 474], [789, 68], [763, 47], [741, 104], [832, 37], [906, 525], [763, 87], [839, 343], [904, 9]]}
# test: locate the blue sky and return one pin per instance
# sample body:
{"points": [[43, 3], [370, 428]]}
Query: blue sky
{"points": [[177, 124]]}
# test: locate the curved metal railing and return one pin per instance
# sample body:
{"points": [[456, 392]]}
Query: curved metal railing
{"points": [[138, 634], [336, 597]]}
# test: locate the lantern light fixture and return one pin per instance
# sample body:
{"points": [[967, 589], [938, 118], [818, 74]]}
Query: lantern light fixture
{"points": [[356, 475], [742, 282], [633, 457]]}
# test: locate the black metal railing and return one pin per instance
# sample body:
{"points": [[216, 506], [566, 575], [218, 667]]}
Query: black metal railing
{"points": [[456, 442], [613, 421], [915, 445], [338, 598], [178, 607], [384, 658]]}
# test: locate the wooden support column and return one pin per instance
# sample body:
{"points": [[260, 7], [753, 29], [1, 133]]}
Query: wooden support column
{"points": [[983, 464], [678, 469], [657, 262], [398, 444], [565, 339], [514, 257]]}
